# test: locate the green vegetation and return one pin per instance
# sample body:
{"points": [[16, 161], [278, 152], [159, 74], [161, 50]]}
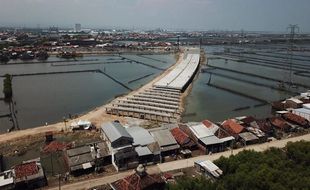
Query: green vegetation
{"points": [[7, 87], [278, 169]]}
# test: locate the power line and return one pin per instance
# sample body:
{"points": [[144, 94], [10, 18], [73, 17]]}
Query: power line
{"points": [[293, 28]]}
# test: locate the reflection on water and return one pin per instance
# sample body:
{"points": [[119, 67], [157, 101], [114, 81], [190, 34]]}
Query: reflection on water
{"points": [[49, 98], [205, 102]]}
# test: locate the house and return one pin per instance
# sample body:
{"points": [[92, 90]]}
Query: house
{"points": [[168, 145], [266, 127], [251, 125], [29, 175], [209, 136], [280, 124], [7, 180], [143, 142], [115, 135], [208, 168], [296, 119], [254, 129], [140, 180], [87, 158], [303, 112], [182, 138], [248, 138], [293, 103], [233, 128], [120, 145]]}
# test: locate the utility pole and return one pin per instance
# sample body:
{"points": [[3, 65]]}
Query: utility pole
{"points": [[59, 185], [293, 28], [178, 42]]}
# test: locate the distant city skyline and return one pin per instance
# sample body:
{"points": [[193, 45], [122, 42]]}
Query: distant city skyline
{"points": [[249, 15]]}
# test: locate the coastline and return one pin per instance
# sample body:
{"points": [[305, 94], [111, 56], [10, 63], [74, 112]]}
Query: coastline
{"points": [[97, 116]]}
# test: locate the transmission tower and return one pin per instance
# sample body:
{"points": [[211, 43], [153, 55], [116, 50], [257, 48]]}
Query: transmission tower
{"points": [[292, 28]]}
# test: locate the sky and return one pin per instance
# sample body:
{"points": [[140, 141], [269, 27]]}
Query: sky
{"points": [[249, 15]]}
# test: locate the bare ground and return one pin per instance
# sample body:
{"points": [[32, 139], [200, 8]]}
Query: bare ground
{"points": [[96, 116]]}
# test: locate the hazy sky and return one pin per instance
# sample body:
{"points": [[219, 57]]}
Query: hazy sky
{"points": [[258, 15]]}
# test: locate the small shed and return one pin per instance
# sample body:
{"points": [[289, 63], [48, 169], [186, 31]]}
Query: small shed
{"points": [[248, 138], [7, 180], [208, 168]]}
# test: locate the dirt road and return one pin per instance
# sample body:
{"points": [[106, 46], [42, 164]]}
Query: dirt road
{"points": [[96, 116]]}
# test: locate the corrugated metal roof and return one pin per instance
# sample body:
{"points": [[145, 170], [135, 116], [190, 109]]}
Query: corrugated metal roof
{"points": [[210, 140], [307, 106], [140, 136], [114, 131], [247, 136], [181, 137], [201, 131], [143, 150], [78, 151], [297, 101], [163, 137], [210, 167], [303, 110]]}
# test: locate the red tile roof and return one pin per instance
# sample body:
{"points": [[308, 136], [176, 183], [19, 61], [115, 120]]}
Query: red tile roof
{"points": [[248, 120], [231, 126], [207, 123], [137, 182], [279, 123], [26, 169], [181, 137], [296, 118]]}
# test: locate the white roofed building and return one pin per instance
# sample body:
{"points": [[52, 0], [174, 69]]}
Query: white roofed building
{"points": [[208, 168]]}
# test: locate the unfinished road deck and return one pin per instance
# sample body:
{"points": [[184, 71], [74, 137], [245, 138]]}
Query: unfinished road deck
{"points": [[162, 101]]}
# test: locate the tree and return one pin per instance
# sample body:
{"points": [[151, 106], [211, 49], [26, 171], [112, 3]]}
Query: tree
{"points": [[7, 87], [275, 168]]}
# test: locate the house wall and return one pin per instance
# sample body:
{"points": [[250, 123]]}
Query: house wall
{"points": [[121, 142], [211, 148]]}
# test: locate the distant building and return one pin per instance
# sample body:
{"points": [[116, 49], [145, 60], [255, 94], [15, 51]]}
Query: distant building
{"points": [[78, 27]]}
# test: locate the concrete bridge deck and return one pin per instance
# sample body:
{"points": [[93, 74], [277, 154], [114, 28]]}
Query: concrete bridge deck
{"points": [[162, 101]]}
